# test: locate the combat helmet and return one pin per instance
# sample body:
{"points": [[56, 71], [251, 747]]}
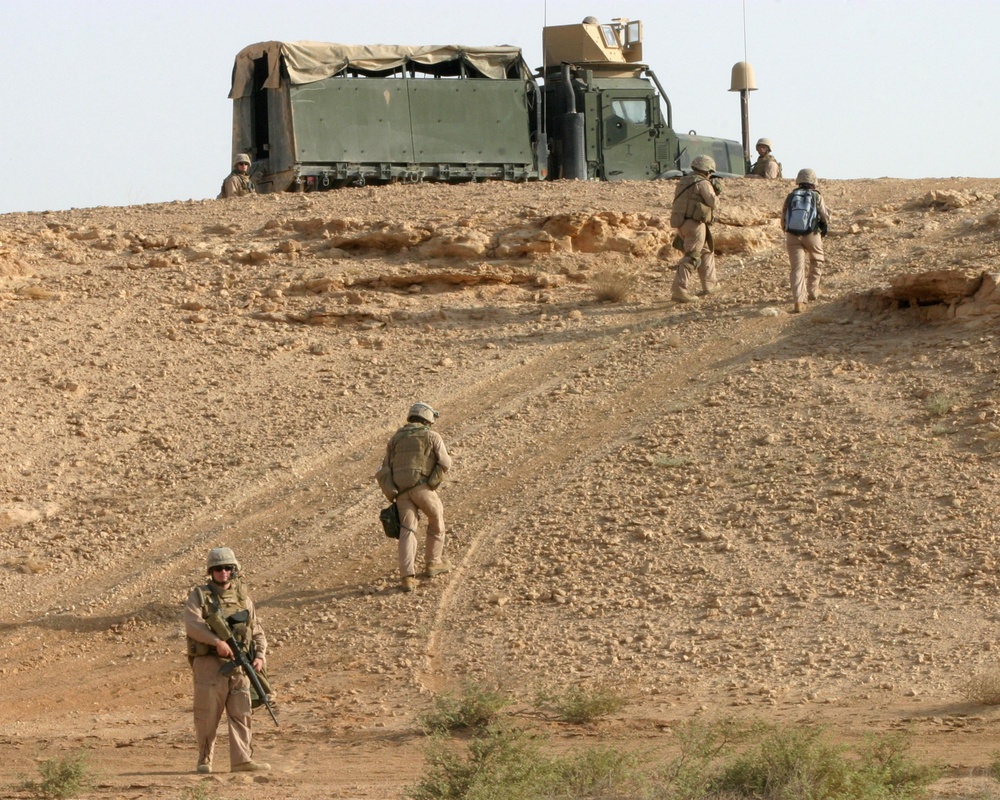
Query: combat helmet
{"points": [[423, 413], [704, 164], [806, 176], [243, 158], [766, 143], [219, 557]]}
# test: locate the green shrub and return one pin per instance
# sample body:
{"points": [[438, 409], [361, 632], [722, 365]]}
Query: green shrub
{"points": [[703, 746], [939, 404], [602, 773], [580, 704], [797, 764], [501, 763], [506, 763], [994, 767], [886, 761], [726, 759], [476, 707], [62, 778]]}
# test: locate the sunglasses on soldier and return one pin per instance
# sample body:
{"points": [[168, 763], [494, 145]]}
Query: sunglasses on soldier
{"points": [[226, 567]]}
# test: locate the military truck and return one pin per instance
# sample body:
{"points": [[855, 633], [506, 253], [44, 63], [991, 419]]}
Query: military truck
{"points": [[316, 116]]}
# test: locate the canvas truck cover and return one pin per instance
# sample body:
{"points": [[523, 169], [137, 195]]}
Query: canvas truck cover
{"points": [[307, 62], [316, 116]]}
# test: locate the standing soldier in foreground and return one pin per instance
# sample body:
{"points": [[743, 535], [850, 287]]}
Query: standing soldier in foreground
{"points": [[767, 166], [418, 459], [693, 210], [805, 218], [224, 595], [238, 182]]}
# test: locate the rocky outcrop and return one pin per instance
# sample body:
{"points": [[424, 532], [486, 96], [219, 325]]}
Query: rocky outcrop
{"points": [[938, 294]]}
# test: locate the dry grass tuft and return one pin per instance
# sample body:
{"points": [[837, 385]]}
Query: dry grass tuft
{"points": [[939, 404], [983, 688], [38, 293], [614, 284]]}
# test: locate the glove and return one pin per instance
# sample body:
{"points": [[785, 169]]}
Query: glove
{"points": [[436, 476], [717, 185]]}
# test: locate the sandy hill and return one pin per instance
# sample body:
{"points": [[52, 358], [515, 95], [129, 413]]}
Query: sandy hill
{"points": [[720, 507]]}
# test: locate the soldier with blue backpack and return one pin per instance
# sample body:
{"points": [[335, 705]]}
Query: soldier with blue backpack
{"points": [[804, 219]]}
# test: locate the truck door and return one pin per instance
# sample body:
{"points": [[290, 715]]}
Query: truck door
{"points": [[628, 140]]}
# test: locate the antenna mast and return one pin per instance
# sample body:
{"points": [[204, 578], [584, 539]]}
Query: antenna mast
{"points": [[743, 82]]}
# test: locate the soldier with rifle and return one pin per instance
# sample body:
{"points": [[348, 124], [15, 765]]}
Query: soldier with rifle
{"points": [[227, 650]]}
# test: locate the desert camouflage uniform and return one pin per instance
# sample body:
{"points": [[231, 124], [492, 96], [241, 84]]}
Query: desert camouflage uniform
{"points": [[213, 691], [236, 185], [699, 252], [805, 285], [767, 166], [418, 458]]}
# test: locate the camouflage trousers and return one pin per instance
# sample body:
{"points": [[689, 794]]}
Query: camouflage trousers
{"points": [[698, 256], [419, 498], [213, 694], [802, 249]]}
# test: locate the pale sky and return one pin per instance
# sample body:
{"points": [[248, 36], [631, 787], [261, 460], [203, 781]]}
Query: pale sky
{"points": [[120, 102]]}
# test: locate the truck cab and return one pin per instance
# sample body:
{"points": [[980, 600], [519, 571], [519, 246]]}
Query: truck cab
{"points": [[603, 110]]}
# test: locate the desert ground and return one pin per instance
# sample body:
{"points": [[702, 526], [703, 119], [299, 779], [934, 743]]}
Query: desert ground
{"points": [[720, 508]]}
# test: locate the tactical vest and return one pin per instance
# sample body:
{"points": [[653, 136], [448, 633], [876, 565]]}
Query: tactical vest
{"points": [[760, 168], [246, 185], [228, 601], [413, 456], [687, 202]]}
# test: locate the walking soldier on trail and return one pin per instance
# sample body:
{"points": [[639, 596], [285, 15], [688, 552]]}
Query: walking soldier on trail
{"points": [[805, 218], [418, 460], [695, 201]]}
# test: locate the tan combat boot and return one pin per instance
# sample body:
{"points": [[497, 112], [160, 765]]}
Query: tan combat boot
{"points": [[252, 766], [439, 568], [408, 584]]}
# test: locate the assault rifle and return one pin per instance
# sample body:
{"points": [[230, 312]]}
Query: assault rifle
{"points": [[220, 627]]}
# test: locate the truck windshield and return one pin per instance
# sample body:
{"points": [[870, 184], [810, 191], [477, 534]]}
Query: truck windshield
{"points": [[631, 110]]}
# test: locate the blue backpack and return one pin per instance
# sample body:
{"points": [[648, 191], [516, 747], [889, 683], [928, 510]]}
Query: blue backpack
{"points": [[802, 214]]}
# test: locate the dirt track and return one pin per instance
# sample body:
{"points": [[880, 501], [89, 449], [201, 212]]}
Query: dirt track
{"points": [[724, 508]]}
